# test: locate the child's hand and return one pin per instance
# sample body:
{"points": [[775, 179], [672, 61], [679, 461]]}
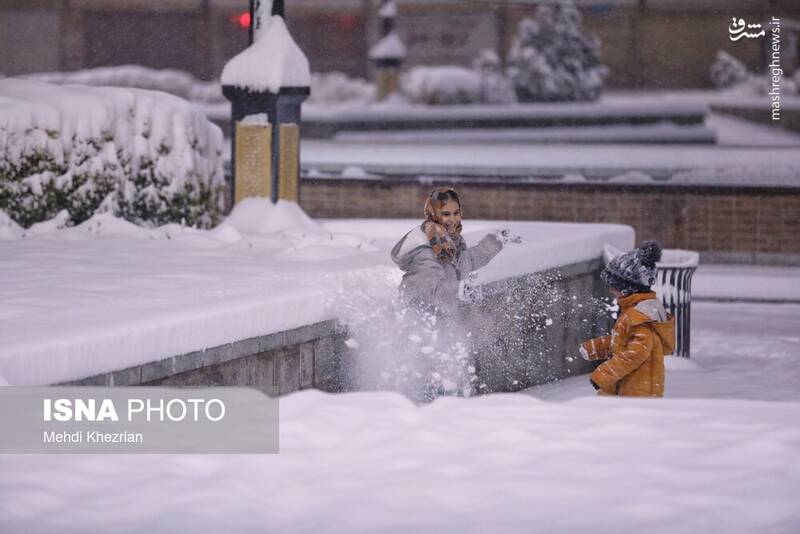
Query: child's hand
{"points": [[584, 354]]}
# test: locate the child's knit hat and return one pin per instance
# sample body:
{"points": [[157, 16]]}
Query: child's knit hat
{"points": [[633, 271]]}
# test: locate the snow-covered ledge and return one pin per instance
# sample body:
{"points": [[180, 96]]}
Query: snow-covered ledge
{"points": [[107, 296]]}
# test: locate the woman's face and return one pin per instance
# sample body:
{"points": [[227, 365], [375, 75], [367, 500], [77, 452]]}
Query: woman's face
{"points": [[451, 215]]}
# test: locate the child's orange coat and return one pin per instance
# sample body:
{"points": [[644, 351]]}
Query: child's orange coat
{"points": [[634, 351]]}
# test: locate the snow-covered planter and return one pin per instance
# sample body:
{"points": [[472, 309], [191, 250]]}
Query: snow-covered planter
{"points": [[441, 85], [553, 60], [147, 156]]}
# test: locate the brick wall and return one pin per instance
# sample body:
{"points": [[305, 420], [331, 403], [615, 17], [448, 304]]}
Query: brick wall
{"points": [[726, 224]]}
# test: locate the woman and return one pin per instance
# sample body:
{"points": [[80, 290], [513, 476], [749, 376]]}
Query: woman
{"points": [[439, 276], [439, 268]]}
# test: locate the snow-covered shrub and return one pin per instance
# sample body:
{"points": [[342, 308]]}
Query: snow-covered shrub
{"points": [[174, 82], [441, 85], [152, 157], [727, 71], [333, 87], [551, 59], [496, 88]]}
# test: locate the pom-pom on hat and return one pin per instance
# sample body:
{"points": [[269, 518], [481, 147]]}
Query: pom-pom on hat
{"points": [[633, 271]]}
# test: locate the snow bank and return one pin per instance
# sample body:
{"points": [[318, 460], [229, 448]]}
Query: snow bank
{"points": [[8, 228], [261, 216], [273, 61], [373, 462], [70, 147]]}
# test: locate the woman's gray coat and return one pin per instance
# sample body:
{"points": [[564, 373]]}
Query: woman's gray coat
{"points": [[431, 283]]}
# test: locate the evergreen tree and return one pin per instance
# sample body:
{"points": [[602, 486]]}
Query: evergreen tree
{"points": [[553, 60]]}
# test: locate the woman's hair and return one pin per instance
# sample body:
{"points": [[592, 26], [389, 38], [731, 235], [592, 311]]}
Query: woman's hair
{"points": [[444, 194]]}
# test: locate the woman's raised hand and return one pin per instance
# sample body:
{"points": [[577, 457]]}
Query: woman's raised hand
{"points": [[507, 237]]}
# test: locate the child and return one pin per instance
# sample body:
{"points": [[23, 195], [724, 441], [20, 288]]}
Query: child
{"points": [[643, 334]]}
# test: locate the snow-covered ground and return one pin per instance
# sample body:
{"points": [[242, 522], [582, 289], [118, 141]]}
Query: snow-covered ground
{"points": [[696, 164], [739, 351], [106, 294], [723, 129], [746, 283], [718, 454]]}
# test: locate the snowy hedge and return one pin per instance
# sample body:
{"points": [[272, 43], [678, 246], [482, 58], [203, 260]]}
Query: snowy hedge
{"points": [[335, 87], [485, 83], [149, 157], [174, 82]]}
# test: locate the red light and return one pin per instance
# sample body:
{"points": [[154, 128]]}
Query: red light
{"points": [[242, 19], [347, 22]]}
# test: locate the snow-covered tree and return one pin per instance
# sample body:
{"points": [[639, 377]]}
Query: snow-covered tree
{"points": [[552, 59], [496, 88], [727, 71]]}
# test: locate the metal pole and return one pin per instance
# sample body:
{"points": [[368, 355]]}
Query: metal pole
{"points": [[253, 8]]}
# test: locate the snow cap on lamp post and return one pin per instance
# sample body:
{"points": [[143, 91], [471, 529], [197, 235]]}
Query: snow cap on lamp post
{"points": [[388, 53], [271, 77]]}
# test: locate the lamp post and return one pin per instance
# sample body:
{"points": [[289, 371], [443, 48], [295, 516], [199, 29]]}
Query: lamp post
{"points": [[266, 84], [388, 53]]}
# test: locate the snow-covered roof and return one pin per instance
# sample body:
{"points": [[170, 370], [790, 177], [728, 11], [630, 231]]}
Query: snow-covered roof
{"points": [[273, 61], [388, 10], [390, 47]]}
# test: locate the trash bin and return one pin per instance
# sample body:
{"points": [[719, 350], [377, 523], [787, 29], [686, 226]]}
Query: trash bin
{"points": [[674, 287]]}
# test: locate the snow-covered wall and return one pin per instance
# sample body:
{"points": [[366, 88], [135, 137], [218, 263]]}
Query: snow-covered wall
{"points": [[150, 157]]}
